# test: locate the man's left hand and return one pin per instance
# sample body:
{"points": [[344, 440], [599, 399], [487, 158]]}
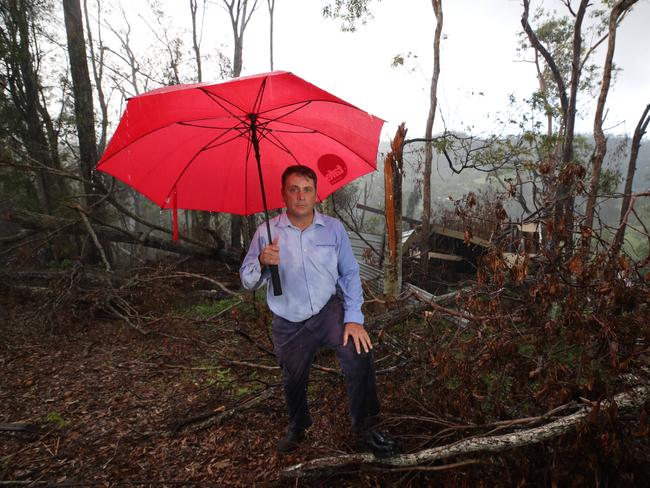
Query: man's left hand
{"points": [[359, 336]]}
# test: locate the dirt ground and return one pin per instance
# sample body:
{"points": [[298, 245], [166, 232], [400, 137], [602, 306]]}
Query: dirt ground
{"points": [[104, 403], [104, 399]]}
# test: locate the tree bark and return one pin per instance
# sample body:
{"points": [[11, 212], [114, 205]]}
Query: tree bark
{"points": [[639, 132], [25, 91], [83, 96], [633, 399], [393, 174], [562, 198], [428, 135], [239, 17], [41, 222], [565, 200], [271, 4], [618, 10], [195, 41], [98, 72]]}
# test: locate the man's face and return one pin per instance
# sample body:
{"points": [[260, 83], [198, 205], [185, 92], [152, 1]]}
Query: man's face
{"points": [[299, 194]]}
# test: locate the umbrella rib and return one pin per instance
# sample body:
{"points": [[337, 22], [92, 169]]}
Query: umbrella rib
{"points": [[303, 103], [283, 131], [260, 94], [201, 126], [279, 144], [101, 163], [215, 98], [221, 143], [241, 130], [315, 131], [187, 165], [249, 147]]}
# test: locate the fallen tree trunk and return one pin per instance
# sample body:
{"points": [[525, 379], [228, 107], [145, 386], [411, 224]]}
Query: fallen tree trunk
{"points": [[48, 223], [95, 278], [475, 445], [398, 314]]}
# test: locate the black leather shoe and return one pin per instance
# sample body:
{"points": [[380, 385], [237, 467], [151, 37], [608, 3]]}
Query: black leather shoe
{"points": [[290, 441], [377, 443]]}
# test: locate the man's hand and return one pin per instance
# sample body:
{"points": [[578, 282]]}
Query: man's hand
{"points": [[270, 254], [359, 336]]}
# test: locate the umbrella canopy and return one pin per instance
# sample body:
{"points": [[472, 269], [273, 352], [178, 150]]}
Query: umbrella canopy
{"points": [[195, 146]]}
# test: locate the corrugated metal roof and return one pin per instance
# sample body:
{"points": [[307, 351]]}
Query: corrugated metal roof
{"points": [[367, 259]]}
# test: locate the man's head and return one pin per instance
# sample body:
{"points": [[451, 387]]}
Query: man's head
{"points": [[299, 192], [298, 169]]}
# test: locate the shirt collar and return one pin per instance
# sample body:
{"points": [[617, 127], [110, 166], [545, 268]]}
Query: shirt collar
{"points": [[318, 218], [283, 219]]}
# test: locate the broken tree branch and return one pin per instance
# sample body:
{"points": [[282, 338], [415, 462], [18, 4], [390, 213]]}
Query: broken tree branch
{"points": [[475, 445], [48, 223], [93, 236]]}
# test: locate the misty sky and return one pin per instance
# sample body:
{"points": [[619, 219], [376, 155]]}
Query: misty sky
{"points": [[480, 65], [478, 56]]}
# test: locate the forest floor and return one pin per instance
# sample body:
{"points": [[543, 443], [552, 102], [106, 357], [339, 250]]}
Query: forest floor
{"points": [[107, 405]]}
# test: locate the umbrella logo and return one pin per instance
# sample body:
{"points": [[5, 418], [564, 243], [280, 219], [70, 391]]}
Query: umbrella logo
{"points": [[332, 167]]}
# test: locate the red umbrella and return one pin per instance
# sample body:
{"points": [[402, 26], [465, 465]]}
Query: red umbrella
{"points": [[223, 147]]}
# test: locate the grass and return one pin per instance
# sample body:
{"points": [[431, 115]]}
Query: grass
{"points": [[55, 418], [212, 308]]}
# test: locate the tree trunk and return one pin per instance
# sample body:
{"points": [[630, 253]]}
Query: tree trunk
{"points": [[25, 93], [632, 400], [393, 173], [84, 113], [83, 96], [562, 190], [639, 132], [601, 143], [271, 4], [239, 18], [98, 71], [564, 200], [195, 42], [41, 222], [428, 146], [200, 219]]}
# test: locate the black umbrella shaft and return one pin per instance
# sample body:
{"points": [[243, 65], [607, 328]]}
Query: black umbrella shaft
{"points": [[275, 275], [256, 148]]}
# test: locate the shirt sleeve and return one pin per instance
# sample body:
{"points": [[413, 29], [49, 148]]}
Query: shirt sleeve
{"points": [[349, 280], [251, 273]]}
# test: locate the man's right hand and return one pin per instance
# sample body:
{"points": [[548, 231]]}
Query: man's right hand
{"points": [[270, 254]]}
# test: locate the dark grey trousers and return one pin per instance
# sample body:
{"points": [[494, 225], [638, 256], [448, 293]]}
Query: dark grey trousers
{"points": [[296, 344]]}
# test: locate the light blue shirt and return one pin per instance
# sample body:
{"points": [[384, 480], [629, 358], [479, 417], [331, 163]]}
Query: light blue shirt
{"points": [[312, 263]]}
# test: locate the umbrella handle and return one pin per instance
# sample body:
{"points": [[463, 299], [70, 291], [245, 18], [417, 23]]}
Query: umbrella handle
{"points": [[275, 279]]}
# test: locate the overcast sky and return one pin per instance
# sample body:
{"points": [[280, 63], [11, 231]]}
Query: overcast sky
{"points": [[480, 65], [478, 56]]}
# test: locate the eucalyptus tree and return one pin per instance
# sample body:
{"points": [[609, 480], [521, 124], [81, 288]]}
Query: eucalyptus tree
{"points": [[348, 12], [83, 95], [32, 132], [618, 11], [271, 5], [197, 36], [543, 163], [567, 71], [428, 136], [240, 13]]}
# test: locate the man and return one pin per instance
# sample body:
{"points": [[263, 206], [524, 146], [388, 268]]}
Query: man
{"points": [[316, 267]]}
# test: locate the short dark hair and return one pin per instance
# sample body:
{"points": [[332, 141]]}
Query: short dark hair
{"points": [[299, 169]]}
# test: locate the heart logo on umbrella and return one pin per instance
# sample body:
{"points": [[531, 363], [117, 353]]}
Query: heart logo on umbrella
{"points": [[332, 167]]}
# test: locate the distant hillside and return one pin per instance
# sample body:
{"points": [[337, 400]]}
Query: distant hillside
{"points": [[446, 183]]}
